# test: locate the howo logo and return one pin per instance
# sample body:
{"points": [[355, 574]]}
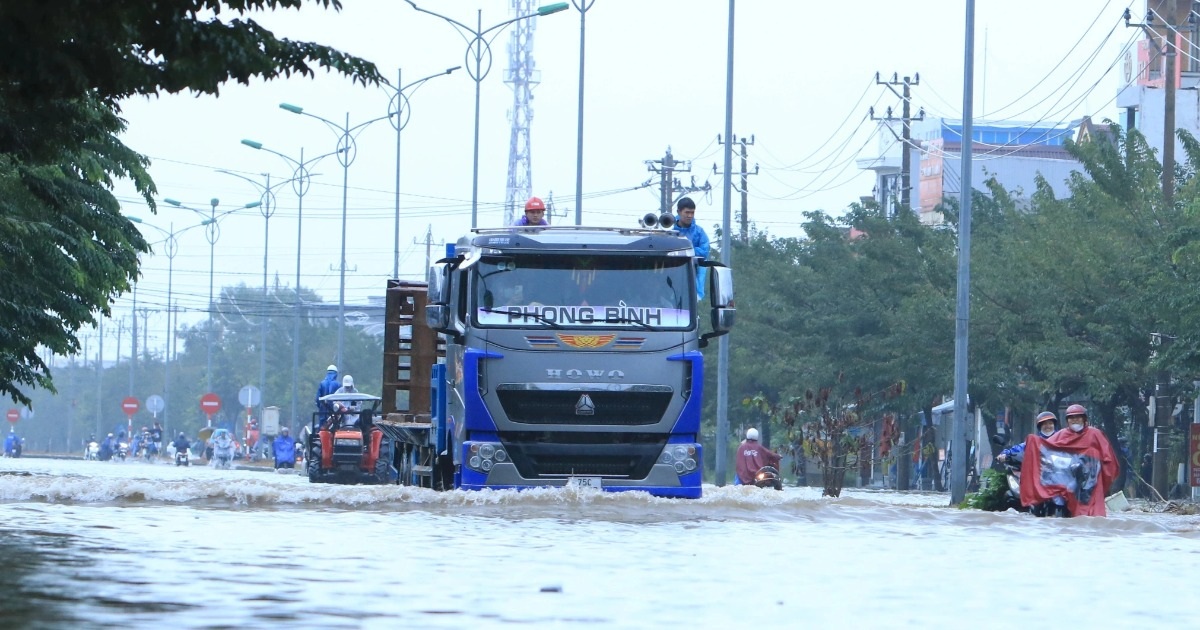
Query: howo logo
{"points": [[576, 374]]}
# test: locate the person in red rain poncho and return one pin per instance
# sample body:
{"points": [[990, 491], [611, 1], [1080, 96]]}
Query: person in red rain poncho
{"points": [[751, 456], [1077, 464]]}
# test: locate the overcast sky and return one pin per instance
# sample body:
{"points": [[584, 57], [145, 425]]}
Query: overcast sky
{"points": [[804, 77]]}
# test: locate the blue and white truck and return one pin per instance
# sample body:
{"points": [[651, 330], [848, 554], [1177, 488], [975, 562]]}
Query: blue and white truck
{"points": [[570, 356]]}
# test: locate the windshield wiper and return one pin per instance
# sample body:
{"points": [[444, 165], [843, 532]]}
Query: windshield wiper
{"points": [[524, 315]]}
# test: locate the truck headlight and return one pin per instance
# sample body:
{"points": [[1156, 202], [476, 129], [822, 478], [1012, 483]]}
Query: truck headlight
{"points": [[680, 457], [485, 455]]}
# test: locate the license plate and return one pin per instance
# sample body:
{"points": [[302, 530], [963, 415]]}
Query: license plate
{"points": [[583, 482]]}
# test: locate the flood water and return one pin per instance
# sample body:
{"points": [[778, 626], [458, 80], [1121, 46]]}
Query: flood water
{"points": [[144, 545]]}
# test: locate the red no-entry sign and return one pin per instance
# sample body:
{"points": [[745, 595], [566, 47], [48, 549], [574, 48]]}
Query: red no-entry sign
{"points": [[130, 405], [210, 403], [13, 415]]}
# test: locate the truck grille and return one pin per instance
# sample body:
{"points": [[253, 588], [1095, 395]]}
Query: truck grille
{"points": [[563, 454], [526, 406]]}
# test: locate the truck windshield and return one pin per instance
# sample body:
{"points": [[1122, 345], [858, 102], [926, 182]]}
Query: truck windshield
{"points": [[560, 290]]}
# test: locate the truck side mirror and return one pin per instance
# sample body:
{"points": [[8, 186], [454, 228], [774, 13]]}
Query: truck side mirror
{"points": [[437, 317], [438, 281], [720, 291], [720, 286]]}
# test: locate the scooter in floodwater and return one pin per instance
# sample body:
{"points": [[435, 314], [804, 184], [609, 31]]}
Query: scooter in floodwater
{"points": [[92, 452], [224, 449], [182, 457], [122, 451], [1012, 473], [768, 477]]}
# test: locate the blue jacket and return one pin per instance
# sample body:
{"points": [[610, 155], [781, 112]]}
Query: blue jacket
{"points": [[699, 239], [325, 388], [10, 442], [284, 449]]}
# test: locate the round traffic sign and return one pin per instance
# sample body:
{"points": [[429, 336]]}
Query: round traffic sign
{"points": [[13, 415], [249, 396], [210, 403], [155, 404], [130, 405]]}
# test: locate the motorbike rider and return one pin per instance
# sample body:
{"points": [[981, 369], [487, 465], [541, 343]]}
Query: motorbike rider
{"points": [[181, 443], [107, 447], [12, 444], [752, 456], [284, 449], [1081, 438], [1047, 425]]}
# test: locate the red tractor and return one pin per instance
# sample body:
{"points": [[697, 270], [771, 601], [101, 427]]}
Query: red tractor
{"points": [[345, 446]]}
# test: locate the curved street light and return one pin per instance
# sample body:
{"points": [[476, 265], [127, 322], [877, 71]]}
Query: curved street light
{"points": [[301, 180], [212, 232], [172, 248], [346, 153], [582, 7], [267, 208], [477, 48], [398, 107]]}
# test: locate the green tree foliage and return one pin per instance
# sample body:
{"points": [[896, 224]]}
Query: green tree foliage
{"points": [[64, 66]]}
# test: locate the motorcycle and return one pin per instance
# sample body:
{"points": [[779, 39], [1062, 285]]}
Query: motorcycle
{"points": [[224, 449], [122, 451], [92, 452], [768, 477], [182, 458], [1012, 474]]}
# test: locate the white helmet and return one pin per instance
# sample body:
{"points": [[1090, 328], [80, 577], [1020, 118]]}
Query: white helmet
{"points": [[331, 368], [348, 381], [752, 434]]}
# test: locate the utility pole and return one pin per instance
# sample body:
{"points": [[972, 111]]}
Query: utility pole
{"points": [[1163, 406], [1168, 172], [666, 169], [428, 244], [99, 376], [905, 137], [745, 187], [145, 346], [1169, 50]]}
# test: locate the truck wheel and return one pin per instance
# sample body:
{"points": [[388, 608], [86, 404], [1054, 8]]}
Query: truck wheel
{"points": [[313, 465]]}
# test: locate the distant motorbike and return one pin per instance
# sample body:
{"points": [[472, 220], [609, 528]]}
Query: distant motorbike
{"points": [[768, 477], [224, 449], [147, 451], [92, 452], [122, 451], [182, 458]]}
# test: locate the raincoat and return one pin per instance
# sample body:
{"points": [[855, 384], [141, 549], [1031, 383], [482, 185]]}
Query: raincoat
{"points": [[700, 244], [1078, 467], [326, 387], [752, 456], [284, 449]]}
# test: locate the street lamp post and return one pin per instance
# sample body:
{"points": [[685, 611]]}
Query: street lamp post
{"points": [[477, 48], [301, 179], [582, 7], [212, 232], [346, 153], [172, 248], [267, 208], [398, 107]]}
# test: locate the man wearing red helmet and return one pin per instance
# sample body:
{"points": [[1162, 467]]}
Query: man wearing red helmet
{"points": [[535, 213], [1077, 464]]}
